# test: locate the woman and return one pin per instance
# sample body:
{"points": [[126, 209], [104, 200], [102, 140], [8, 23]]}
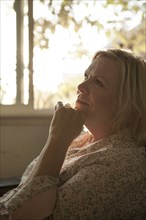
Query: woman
{"points": [[98, 174]]}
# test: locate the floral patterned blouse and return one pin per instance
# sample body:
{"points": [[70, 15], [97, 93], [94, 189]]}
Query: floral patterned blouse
{"points": [[104, 180]]}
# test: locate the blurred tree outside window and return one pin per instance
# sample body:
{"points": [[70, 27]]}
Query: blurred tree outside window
{"points": [[46, 45]]}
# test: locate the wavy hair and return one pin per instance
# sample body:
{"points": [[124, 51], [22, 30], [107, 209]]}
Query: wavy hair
{"points": [[131, 112]]}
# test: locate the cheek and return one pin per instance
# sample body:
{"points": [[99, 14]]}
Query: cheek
{"points": [[104, 103]]}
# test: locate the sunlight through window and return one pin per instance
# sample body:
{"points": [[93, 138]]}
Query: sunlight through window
{"points": [[8, 53], [38, 73]]}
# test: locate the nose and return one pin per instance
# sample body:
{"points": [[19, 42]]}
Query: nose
{"points": [[83, 87]]}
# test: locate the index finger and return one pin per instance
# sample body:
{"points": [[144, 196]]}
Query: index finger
{"points": [[59, 105]]}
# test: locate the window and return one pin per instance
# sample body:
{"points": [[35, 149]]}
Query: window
{"points": [[8, 53], [46, 45], [15, 72], [33, 76]]}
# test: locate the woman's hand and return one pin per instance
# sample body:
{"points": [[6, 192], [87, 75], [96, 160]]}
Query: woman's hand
{"points": [[67, 123]]}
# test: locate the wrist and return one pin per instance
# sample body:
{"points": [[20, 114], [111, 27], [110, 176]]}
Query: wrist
{"points": [[59, 141], [52, 156]]}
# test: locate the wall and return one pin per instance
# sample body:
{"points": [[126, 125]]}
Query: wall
{"points": [[22, 139]]}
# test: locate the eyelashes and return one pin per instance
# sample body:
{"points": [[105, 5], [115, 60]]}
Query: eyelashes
{"points": [[86, 77], [97, 81]]}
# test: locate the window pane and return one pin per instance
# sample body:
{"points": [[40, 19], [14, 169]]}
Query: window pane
{"points": [[68, 33], [56, 72], [8, 53]]}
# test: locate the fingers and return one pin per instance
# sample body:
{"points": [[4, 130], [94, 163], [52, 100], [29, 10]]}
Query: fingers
{"points": [[58, 105], [66, 120], [67, 105]]}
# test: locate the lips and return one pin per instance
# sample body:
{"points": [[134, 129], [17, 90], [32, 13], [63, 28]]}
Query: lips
{"points": [[81, 102]]}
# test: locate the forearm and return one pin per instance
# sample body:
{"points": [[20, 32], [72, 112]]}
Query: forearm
{"points": [[51, 158], [34, 200], [49, 164], [65, 126]]}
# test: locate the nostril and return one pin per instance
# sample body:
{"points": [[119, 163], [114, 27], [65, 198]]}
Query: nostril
{"points": [[82, 88], [78, 92]]}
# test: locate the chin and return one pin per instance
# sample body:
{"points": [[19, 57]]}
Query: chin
{"points": [[78, 106], [81, 108]]}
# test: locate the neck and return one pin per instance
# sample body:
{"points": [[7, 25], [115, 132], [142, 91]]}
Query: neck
{"points": [[99, 133]]}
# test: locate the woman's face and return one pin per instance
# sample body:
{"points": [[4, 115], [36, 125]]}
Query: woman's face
{"points": [[98, 94]]}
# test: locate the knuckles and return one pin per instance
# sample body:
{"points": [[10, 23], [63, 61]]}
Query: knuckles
{"points": [[67, 120]]}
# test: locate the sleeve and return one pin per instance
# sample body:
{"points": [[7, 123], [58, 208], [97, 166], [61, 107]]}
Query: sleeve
{"points": [[40, 190], [28, 170], [85, 195], [8, 195], [102, 190], [82, 196]]}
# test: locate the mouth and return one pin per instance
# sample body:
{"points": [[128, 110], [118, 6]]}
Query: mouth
{"points": [[81, 102]]}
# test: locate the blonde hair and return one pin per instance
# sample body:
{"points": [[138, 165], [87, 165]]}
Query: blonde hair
{"points": [[131, 112]]}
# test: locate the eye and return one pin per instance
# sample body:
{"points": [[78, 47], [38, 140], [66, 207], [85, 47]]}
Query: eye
{"points": [[99, 83], [86, 76]]}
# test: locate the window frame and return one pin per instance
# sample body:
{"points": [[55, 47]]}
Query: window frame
{"points": [[19, 108], [19, 6]]}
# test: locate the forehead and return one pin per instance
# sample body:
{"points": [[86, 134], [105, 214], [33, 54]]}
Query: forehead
{"points": [[105, 67]]}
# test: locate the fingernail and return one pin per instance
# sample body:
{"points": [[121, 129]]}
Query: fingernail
{"points": [[59, 104], [67, 105]]}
